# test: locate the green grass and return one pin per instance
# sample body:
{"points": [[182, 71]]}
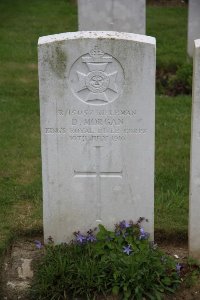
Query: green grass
{"points": [[169, 26], [172, 163], [21, 24]]}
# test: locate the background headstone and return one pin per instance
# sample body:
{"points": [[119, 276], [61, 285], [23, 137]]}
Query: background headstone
{"points": [[118, 15], [193, 24], [194, 207], [97, 94]]}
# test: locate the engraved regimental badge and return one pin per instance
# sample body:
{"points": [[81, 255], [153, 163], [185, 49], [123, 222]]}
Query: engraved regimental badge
{"points": [[96, 78]]}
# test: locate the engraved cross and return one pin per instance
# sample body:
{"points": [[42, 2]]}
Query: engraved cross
{"points": [[98, 174]]}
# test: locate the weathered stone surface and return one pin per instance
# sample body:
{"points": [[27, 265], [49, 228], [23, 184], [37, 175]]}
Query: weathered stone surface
{"points": [[118, 15], [193, 24], [194, 214], [97, 94], [18, 268]]}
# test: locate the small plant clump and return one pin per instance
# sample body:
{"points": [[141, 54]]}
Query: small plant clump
{"points": [[123, 263], [175, 82]]}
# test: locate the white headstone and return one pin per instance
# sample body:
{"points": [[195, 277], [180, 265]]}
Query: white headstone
{"points": [[193, 24], [97, 94], [194, 207], [119, 15]]}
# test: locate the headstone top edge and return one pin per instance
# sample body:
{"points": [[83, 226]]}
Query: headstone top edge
{"points": [[96, 34]]}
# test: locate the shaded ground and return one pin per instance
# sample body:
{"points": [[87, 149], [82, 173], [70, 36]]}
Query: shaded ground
{"points": [[18, 269]]}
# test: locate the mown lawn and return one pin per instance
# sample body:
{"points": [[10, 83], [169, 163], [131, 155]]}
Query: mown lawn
{"points": [[172, 163], [21, 24], [169, 26]]}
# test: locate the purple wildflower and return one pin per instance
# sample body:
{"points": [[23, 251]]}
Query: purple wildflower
{"points": [[127, 249], [79, 237], [178, 268], [38, 244], [143, 235], [124, 224], [117, 233], [91, 238]]}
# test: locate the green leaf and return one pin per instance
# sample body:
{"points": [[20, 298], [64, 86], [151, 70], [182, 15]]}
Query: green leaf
{"points": [[115, 290], [127, 294], [169, 289], [166, 281], [102, 234]]}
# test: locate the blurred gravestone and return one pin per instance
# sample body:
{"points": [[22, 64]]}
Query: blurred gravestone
{"points": [[97, 94], [193, 24], [117, 15], [194, 214]]}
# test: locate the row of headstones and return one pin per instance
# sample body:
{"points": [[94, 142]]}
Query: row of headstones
{"points": [[129, 16], [97, 95]]}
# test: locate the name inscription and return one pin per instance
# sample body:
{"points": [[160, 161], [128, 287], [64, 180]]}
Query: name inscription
{"points": [[97, 125]]}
